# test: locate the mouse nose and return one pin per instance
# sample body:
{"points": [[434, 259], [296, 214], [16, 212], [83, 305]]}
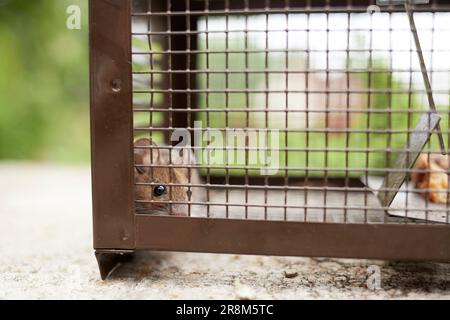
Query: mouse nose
{"points": [[179, 210]]}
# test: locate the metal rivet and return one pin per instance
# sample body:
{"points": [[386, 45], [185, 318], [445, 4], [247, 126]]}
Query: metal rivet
{"points": [[116, 85], [124, 236]]}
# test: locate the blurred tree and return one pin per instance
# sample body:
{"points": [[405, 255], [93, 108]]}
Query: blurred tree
{"points": [[43, 82]]}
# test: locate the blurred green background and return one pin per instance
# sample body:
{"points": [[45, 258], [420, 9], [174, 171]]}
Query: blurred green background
{"points": [[44, 94], [44, 82]]}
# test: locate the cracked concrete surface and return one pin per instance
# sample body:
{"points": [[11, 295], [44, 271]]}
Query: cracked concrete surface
{"points": [[46, 252]]}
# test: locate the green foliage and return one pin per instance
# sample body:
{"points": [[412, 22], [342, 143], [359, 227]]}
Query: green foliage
{"points": [[392, 108], [43, 82], [44, 93]]}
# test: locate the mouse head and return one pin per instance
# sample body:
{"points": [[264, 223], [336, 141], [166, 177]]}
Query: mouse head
{"points": [[147, 153]]}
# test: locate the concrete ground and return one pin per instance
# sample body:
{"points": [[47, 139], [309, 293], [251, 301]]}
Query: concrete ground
{"points": [[46, 252]]}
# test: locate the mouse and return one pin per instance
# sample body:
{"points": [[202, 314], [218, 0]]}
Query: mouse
{"points": [[155, 198]]}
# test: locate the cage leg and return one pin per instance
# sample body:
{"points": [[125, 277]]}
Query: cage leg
{"points": [[108, 260]]}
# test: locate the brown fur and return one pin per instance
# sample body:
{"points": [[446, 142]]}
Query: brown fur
{"points": [[160, 176]]}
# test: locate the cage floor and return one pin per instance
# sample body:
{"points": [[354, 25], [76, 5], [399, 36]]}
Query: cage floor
{"points": [[320, 206], [300, 206]]}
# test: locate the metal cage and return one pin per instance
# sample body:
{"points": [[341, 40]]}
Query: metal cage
{"points": [[313, 105]]}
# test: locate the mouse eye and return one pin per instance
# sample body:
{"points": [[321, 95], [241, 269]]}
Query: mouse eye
{"points": [[159, 191]]}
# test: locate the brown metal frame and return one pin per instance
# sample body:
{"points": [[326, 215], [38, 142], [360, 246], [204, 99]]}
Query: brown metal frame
{"points": [[111, 124], [118, 231]]}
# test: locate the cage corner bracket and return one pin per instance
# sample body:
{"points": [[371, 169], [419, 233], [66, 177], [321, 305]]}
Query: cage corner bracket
{"points": [[108, 260]]}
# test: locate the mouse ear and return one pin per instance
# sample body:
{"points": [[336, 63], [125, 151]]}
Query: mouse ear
{"points": [[145, 154]]}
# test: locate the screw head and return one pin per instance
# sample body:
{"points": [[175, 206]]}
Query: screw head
{"points": [[116, 85]]}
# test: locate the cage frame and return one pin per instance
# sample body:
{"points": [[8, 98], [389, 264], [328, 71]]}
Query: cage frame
{"points": [[118, 231]]}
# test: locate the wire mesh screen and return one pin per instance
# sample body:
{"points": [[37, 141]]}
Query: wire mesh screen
{"points": [[285, 110]]}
